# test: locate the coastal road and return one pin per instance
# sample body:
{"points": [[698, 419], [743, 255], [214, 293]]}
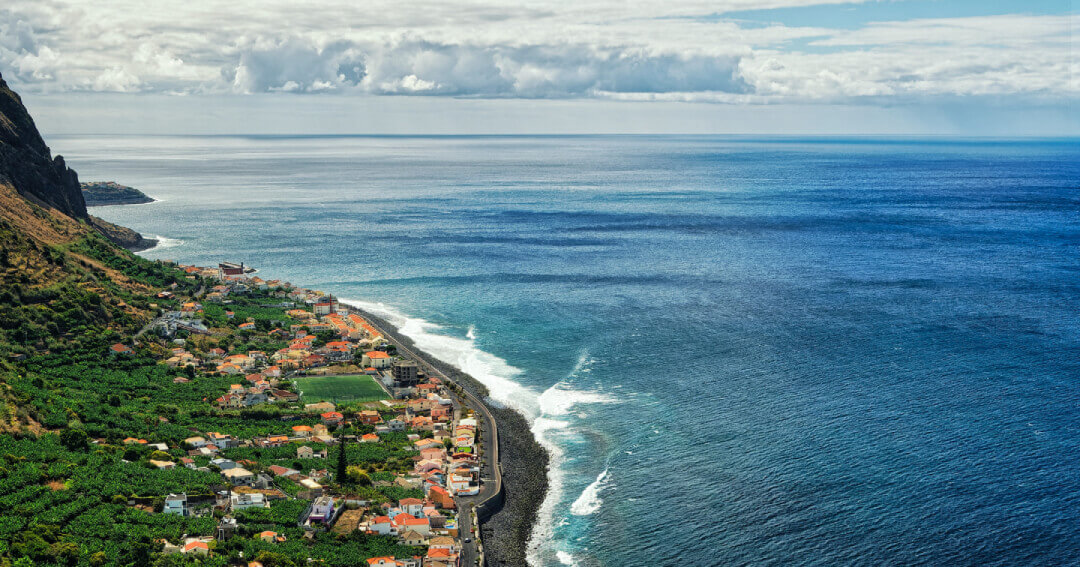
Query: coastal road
{"points": [[490, 472], [468, 550]]}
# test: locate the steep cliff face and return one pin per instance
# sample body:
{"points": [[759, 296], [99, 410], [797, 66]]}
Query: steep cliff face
{"points": [[27, 164]]}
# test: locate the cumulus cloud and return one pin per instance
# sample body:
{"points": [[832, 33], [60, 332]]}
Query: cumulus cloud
{"points": [[416, 67], [682, 50], [294, 65]]}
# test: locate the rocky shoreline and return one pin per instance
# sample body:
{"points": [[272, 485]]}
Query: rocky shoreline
{"points": [[524, 466], [123, 236], [105, 193]]}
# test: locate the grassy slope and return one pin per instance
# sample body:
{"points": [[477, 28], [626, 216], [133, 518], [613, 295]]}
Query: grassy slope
{"points": [[66, 294]]}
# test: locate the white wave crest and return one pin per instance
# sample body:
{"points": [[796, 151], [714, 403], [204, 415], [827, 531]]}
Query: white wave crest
{"points": [[556, 404], [547, 412], [490, 370], [165, 241], [589, 501]]}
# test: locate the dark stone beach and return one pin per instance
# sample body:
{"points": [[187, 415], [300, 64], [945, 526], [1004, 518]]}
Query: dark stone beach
{"points": [[524, 465]]}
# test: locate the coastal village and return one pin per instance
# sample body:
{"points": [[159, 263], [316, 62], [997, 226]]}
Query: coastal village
{"points": [[337, 387]]}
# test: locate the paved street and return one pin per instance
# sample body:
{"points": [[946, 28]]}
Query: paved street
{"points": [[488, 451]]}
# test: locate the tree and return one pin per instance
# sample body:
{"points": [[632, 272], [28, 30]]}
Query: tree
{"points": [[342, 462], [358, 476], [74, 439], [323, 337]]}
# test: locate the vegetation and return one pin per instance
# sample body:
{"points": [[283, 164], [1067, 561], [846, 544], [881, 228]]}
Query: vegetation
{"points": [[71, 491]]}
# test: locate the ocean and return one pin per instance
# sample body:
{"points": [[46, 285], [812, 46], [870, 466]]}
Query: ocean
{"points": [[738, 351]]}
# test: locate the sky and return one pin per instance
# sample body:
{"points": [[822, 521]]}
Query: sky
{"points": [[936, 67]]}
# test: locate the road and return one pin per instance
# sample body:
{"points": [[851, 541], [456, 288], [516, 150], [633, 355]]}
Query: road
{"points": [[490, 473]]}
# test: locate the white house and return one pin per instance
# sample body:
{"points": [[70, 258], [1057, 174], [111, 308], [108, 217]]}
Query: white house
{"points": [[460, 485], [224, 464], [176, 504], [413, 506], [241, 501], [381, 525]]}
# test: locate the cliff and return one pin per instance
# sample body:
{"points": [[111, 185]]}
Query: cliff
{"points": [[28, 170], [27, 164]]}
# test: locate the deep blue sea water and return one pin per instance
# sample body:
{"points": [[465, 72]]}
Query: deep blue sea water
{"points": [[767, 352]]}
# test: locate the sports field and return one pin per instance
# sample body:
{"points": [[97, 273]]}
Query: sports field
{"points": [[348, 388]]}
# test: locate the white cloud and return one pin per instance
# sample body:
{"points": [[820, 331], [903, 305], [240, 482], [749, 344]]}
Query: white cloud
{"points": [[117, 79], [679, 51]]}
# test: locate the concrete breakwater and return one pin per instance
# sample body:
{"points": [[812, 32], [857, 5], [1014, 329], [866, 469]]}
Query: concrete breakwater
{"points": [[507, 518]]}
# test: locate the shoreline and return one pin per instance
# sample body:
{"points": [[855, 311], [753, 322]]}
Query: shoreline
{"points": [[522, 460]]}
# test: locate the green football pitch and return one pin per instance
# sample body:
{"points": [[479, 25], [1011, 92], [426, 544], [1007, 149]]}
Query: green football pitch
{"points": [[349, 388]]}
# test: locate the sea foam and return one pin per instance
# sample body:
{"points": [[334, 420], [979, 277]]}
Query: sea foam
{"points": [[589, 501], [548, 412]]}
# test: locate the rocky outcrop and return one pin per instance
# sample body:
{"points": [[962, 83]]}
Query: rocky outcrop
{"points": [[101, 193], [122, 235], [26, 163]]}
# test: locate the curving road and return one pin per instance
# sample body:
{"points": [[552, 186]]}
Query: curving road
{"points": [[490, 471]]}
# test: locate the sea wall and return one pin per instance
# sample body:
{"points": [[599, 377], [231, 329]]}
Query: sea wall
{"points": [[506, 522]]}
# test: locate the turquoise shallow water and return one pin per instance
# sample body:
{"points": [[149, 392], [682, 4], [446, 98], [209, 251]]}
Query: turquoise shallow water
{"points": [[739, 351]]}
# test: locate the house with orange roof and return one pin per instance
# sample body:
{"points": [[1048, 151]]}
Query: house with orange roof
{"points": [[302, 430], [229, 368], [382, 562], [369, 438], [376, 359], [433, 454], [441, 498], [421, 526], [381, 525], [274, 441], [413, 506], [422, 444], [332, 418], [272, 537], [121, 349], [440, 413], [440, 555], [197, 547], [422, 423]]}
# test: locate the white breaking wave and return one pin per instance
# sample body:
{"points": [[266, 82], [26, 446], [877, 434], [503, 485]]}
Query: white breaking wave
{"points": [[490, 370], [589, 501], [555, 405], [165, 241], [547, 412]]}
